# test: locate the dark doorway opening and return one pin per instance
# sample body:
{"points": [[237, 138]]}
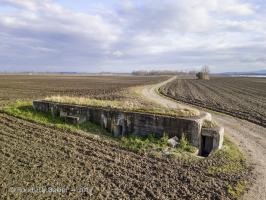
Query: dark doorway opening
{"points": [[118, 130], [206, 145]]}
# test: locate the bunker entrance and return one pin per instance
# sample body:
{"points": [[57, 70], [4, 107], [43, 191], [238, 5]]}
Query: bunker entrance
{"points": [[206, 145], [118, 130]]}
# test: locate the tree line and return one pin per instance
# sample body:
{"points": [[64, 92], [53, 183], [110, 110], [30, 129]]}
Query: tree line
{"points": [[162, 72]]}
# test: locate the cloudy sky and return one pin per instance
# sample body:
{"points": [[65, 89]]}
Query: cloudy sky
{"points": [[126, 35]]}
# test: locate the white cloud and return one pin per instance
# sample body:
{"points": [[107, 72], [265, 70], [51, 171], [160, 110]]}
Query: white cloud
{"points": [[132, 33], [234, 7], [50, 18], [27, 4], [117, 53], [237, 8]]}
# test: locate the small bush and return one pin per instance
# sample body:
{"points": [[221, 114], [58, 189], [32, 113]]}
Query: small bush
{"points": [[237, 190], [163, 141], [135, 143], [144, 144], [185, 146]]}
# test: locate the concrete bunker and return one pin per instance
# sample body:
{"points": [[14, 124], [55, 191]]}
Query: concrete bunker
{"points": [[211, 138], [122, 123]]}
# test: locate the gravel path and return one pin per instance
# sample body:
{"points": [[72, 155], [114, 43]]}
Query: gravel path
{"points": [[251, 138]]}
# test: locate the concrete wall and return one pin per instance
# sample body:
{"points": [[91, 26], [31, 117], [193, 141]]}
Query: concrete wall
{"points": [[122, 123], [217, 135]]}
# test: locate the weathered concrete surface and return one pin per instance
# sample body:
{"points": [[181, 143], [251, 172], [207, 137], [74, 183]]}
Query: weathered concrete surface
{"points": [[121, 123], [216, 135]]}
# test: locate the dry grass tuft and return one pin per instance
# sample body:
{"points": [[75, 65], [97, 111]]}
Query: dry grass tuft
{"points": [[209, 124], [122, 105]]}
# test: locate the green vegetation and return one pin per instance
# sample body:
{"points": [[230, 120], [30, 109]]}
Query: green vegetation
{"points": [[158, 147], [121, 105], [25, 110], [144, 144], [151, 144], [185, 146], [233, 159], [237, 190]]}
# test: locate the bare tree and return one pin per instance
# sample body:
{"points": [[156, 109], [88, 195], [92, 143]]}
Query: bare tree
{"points": [[204, 73], [205, 69]]}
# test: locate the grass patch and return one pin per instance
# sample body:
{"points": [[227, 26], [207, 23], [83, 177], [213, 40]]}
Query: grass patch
{"points": [[185, 145], [25, 111], [232, 158], [144, 144], [158, 147], [230, 161], [121, 105], [237, 190]]}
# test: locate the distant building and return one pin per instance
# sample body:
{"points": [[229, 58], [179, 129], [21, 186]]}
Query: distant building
{"points": [[203, 76]]}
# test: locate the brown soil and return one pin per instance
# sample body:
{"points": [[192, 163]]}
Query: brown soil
{"points": [[244, 98], [26, 87], [35, 156]]}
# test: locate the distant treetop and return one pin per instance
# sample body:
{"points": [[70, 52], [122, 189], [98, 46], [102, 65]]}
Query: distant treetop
{"points": [[161, 72]]}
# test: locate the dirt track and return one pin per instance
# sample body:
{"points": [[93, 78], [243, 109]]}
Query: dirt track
{"points": [[250, 137]]}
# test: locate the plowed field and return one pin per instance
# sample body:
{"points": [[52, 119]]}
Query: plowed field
{"points": [[240, 97], [26, 87], [43, 162], [33, 156]]}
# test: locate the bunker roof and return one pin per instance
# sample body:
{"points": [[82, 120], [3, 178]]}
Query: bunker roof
{"points": [[123, 106]]}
